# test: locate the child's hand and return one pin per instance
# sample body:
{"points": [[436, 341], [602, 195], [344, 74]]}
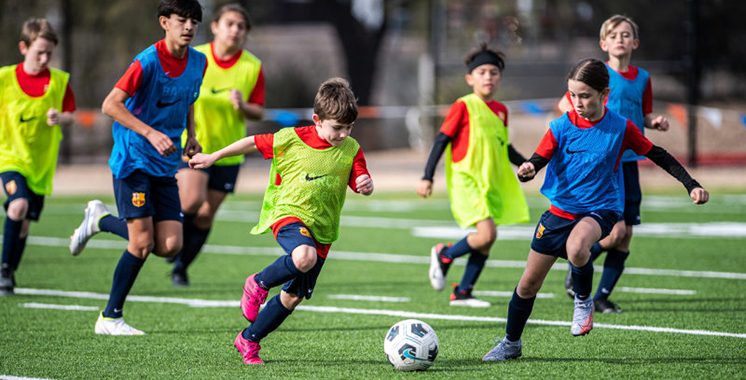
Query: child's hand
{"points": [[201, 161], [364, 184], [526, 172], [660, 123], [425, 188], [53, 117], [192, 147], [699, 196], [237, 99], [160, 142]]}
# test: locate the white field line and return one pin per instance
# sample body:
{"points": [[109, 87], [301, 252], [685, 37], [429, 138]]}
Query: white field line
{"points": [[676, 292], [34, 305], [10, 377], [384, 312], [380, 257], [358, 297], [498, 293]]}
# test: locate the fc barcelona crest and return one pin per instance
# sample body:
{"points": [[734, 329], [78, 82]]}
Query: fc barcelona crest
{"points": [[11, 187], [138, 199], [540, 231], [304, 231]]}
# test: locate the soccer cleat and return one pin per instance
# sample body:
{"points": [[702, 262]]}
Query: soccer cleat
{"points": [[465, 298], [504, 350], [252, 299], [569, 285], [179, 279], [248, 349], [437, 273], [114, 326], [7, 283], [606, 307], [582, 317], [88, 227]]}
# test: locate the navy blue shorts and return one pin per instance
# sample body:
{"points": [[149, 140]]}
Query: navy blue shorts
{"points": [[15, 187], [220, 178], [552, 231], [140, 195], [632, 193], [290, 237]]}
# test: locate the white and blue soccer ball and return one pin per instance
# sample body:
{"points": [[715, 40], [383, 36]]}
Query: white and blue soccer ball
{"points": [[411, 345]]}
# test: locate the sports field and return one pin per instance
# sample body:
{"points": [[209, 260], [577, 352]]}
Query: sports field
{"points": [[683, 295]]}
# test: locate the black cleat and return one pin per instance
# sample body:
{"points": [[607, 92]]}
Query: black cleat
{"points": [[7, 282], [180, 279], [606, 307]]}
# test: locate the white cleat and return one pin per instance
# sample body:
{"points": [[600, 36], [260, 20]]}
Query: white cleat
{"points": [[114, 326], [470, 302], [88, 227], [582, 317], [437, 278]]}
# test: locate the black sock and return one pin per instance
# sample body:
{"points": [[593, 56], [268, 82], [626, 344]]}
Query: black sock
{"points": [[11, 236], [114, 225], [20, 248], [613, 268], [269, 319], [519, 309], [124, 277], [596, 251], [194, 240], [582, 280], [279, 272], [457, 250], [473, 269]]}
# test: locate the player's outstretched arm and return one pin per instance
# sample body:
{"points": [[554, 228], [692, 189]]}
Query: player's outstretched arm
{"points": [[526, 171], [658, 122], [113, 107], [242, 146], [364, 184], [660, 157]]}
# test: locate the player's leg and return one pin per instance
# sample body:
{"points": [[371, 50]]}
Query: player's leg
{"points": [[481, 243], [520, 306], [16, 210], [442, 256]]}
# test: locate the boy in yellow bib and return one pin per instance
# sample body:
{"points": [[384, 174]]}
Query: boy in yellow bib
{"points": [[482, 188], [311, 170], [35, 100]]}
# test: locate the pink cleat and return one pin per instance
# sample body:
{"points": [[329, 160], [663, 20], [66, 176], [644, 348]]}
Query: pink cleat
{"points": [[252, 299], [248, 349]]}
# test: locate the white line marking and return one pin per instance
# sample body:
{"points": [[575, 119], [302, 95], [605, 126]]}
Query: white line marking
{"points": [[381, 257], [498, 293], [357, 297], [34, 305], [394, 313], [677, 292], [10, 377]]}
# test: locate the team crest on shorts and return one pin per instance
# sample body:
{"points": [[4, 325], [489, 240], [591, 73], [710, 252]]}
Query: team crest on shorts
{"points": [[304, 231], [138, 199], [540, 231], [11, 187]]}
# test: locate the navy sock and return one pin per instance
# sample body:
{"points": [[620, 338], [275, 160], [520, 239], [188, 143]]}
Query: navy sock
{"points": [[269, 319], [279, 272], [20, 248], [114, 225], [194, 240], [596, 251], [457, 250], [582, 280], [124, 277], [473, 269], [11, 236], [613, 268], [519, 309]]}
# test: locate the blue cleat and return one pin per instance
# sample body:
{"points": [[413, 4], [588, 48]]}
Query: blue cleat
{"points": [[504, 350]]}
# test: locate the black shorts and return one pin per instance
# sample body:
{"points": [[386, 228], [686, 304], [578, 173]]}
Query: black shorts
{"points": [[552, 231], [15, 187], [290, 237], [632, 193], [220, 178], [140, 195]]}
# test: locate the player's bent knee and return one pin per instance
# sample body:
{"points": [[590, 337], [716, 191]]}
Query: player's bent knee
{"points": [[304, 258], [17, 209]]}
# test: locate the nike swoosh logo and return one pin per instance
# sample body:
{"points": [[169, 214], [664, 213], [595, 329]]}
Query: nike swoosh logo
{"points": [[27, 120], [161, 104], [568, 151], [309, 178], [217, 91]]}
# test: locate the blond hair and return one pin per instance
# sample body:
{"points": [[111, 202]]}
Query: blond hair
{"points": [[34, 28], [335, 100], [614, 21]]}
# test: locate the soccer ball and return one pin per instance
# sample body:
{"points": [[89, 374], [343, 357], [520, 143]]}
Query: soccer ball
{"points": [[411, 345]]}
